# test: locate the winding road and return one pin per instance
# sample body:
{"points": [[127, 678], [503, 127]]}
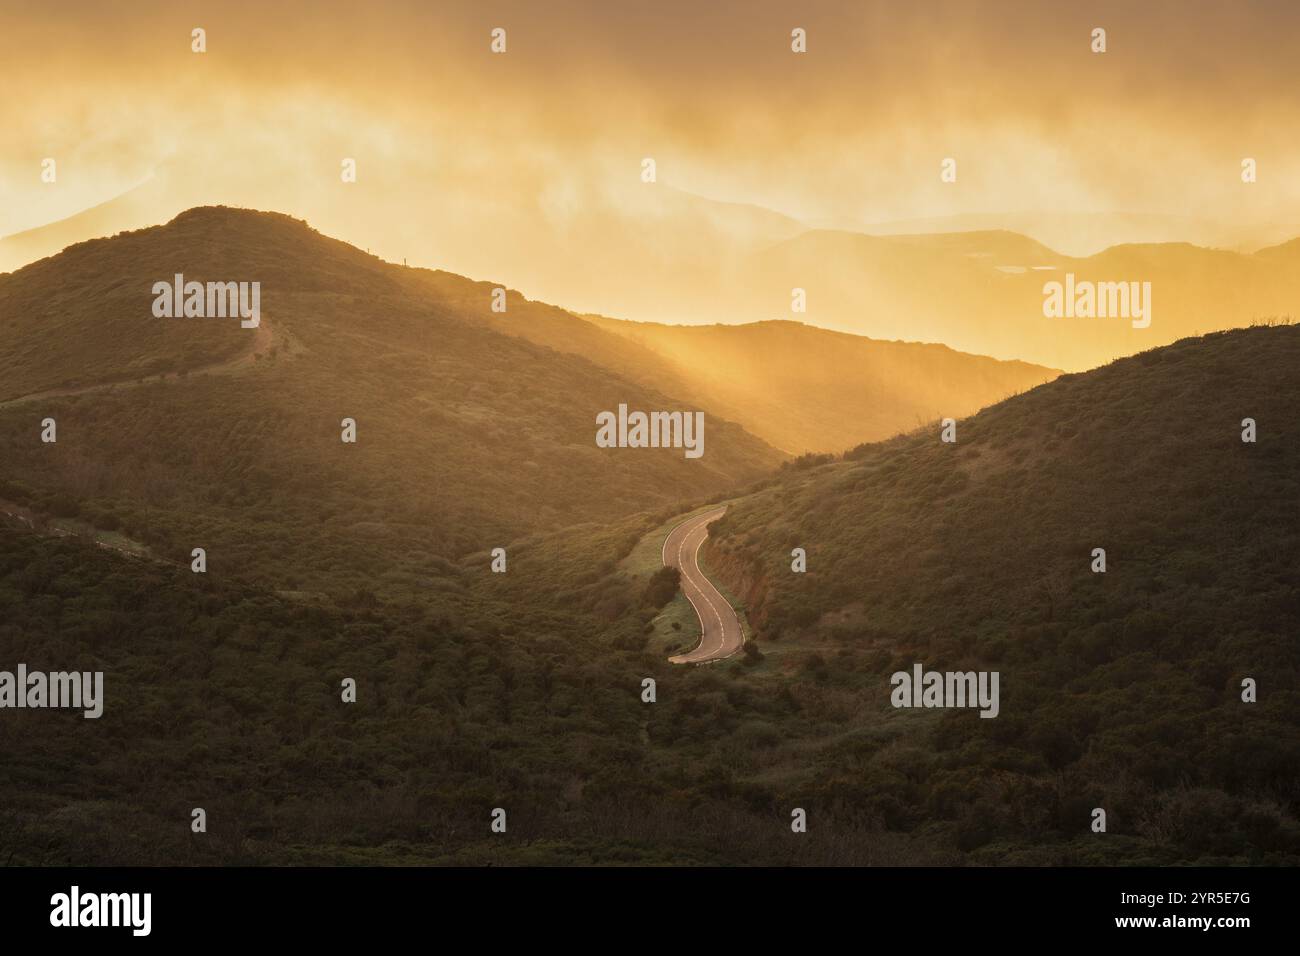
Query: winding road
{"points": [[722, 634]]}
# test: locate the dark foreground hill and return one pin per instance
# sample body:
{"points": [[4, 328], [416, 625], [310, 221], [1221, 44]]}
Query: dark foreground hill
{"points": [[230, 700], [229, 438], [1121, 689], [523, 691]]}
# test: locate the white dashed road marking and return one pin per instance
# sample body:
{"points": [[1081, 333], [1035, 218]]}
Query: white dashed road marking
{"points": [[721, 634]]}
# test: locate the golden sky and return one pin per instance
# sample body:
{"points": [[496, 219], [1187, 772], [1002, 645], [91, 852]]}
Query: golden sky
{"points": [[493, 164]]}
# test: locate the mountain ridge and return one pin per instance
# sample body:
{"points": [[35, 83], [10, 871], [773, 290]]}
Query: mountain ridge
{"points": [[466, 438]]}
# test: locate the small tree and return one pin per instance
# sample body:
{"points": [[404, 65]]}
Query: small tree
{"points": [[662, 587]]}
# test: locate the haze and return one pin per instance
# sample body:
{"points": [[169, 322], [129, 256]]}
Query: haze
{"points": [[525, 167]]}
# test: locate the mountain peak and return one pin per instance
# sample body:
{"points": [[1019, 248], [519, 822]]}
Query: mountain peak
{"points": [[221, 213]]}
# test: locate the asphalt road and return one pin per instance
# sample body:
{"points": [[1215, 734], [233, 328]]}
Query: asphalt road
{"points": [[721, 634]]}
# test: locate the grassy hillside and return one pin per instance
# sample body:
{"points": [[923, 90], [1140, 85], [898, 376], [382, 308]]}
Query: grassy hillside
{"points": [[229, 699], [523, 690], [1120, 689], [798, 387], [805, 389], [467, 438]]}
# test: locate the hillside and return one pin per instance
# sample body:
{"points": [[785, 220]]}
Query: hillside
{"points": [[798, 387], [522, 690], [369, 560], [467, 438], [1120, 689], [805, 389]]}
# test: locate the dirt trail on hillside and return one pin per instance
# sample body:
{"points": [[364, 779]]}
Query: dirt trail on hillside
{"points": [[263, 340]]}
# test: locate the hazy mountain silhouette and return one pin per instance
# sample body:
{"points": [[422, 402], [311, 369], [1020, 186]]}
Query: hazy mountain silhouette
{"points": [[1083, 234], [807, 389], [682, 258], [135, 208], [983, 292]]}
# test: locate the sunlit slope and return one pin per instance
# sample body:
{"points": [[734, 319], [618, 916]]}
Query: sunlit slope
{"points": [[808, 389], [556, 328], [465, 437]]}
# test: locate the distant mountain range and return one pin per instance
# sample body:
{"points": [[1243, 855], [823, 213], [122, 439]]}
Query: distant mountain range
{"points": [[984, 292], [663, 255], [1084, 234]]}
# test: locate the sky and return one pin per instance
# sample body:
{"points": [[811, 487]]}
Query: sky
{"points": [[491, 164]]}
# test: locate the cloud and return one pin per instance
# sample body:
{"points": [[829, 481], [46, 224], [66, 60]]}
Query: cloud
{"points": [[445, 131]]}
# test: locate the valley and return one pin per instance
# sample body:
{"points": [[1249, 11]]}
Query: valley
{"points": [[475, 431]]}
